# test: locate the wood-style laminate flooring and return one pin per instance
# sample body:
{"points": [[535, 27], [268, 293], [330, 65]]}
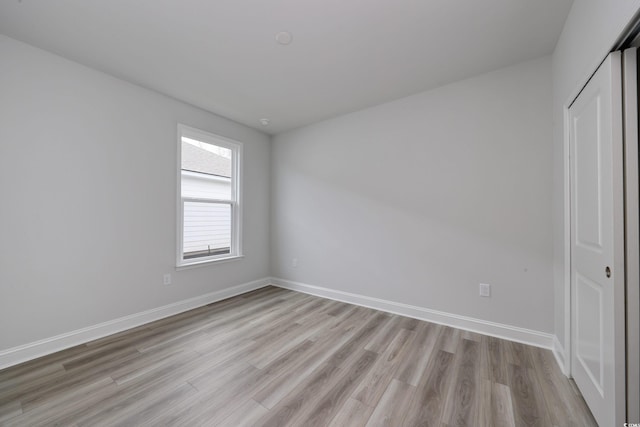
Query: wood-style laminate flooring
{"points": [[274, 357]]}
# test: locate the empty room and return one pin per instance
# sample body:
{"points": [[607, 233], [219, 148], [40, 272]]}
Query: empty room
{"points": [[319, 213]]}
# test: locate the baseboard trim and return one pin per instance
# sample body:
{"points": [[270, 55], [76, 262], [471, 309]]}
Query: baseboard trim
{"points": [[499, 330], [559, 353], [26, 352]]}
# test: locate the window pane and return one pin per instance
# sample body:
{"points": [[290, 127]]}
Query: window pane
{"points": [[206, 170], [207, 229]]}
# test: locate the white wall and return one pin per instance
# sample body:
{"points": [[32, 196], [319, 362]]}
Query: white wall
{"points": [[419, 200], [89, 231], [590, 32]]}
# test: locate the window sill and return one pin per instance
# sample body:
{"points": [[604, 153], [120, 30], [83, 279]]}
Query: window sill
{"points": [[208, 262]]}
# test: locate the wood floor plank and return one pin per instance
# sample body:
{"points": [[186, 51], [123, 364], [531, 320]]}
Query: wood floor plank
{"points": [[462, 400], [276, 390], [352, 414], [383, 337], [339, 324], [152, 385], [495, 365], [220, 322], [355, 317], [60, 378], [277, 357], [246, 415], [16, 388], [253, 321], [517, 354], [269, 291], [75, 380], [281, 328], [344, 355], [289, 359], [565, 408], [146, 412], [220, 375], [10, 409], [73, 400], [311, 317], [409, 323], [391, 409], [328, 405], [526, 394], [46, 363], [427, 405], [449, 339], [501, 406], [249, 380], [372, 387], [339, 309], [153, 368], [412, 366], [287, 411], [273, 350], [220, 398], [472, 336], [105, 355], [484, 401], [311, 305], [22, 377]]}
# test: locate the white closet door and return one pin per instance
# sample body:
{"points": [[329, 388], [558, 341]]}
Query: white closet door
{"points": [[597, 243]]}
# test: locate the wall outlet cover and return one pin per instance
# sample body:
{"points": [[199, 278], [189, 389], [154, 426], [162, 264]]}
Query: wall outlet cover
{"points": [[485, 290]]}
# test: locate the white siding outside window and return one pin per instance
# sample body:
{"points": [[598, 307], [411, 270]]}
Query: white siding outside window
{"points": [[207, 226]]}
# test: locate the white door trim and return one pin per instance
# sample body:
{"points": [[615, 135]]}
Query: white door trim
{"points": [[619, 263], [632, 230]]}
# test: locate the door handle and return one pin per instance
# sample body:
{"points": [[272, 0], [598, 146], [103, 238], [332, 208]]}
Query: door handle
{"points": [[607, 271]]}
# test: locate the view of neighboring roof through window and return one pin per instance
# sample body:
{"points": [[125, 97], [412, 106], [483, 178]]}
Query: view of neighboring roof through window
{"points": [[198, 156]]}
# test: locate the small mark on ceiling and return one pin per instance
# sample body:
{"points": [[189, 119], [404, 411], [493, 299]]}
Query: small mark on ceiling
{"points": [[284, 37]]}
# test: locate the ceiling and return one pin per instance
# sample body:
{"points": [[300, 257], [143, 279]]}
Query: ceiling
{"points": [[222, 56]]}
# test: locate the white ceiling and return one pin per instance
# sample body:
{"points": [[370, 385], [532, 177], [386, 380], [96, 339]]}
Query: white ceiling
{"points": [[221, 55]]}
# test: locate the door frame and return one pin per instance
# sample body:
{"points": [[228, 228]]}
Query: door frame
{"points": [[632, 230]]}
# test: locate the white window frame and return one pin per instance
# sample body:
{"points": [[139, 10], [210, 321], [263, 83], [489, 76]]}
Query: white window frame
{"points": [[235, 203]]}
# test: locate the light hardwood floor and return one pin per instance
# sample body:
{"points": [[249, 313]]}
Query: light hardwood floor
{"points": [[279, 358]]}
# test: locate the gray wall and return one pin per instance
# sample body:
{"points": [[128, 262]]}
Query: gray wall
{"points": [[88, 209], [419, 200], [590, 32]]}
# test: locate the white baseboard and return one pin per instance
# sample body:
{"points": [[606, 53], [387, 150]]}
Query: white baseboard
{"points": [[499, 330], [23, 353], [559, 353]]}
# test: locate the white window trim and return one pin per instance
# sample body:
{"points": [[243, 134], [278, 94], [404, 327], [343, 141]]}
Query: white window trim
{"points": [[236, 192]]}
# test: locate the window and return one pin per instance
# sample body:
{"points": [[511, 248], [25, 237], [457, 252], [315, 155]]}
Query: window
{"points": [[208, 193]]}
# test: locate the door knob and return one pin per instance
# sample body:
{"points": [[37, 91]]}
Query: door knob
{"points": [[607, 271]]}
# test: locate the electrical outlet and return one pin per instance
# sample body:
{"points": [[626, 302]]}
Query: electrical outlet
{"points": [[485, 290], [294, 262], [166, 279]]}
